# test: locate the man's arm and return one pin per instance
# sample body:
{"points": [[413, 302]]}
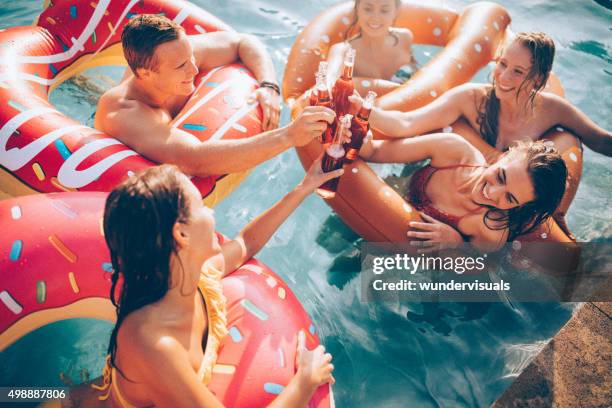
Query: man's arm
{"points": [[137, 126], [221, 48]]}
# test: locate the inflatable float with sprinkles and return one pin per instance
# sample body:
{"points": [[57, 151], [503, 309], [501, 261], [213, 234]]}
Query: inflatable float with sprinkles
{"points": [[58, 268], [471, 40], [43, 150], [57, 265]]}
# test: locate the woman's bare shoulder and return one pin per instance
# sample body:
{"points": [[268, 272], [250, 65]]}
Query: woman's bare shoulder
{"points": [[404, 34]]}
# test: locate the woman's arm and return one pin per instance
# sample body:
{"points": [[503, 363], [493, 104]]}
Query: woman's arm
{"points": [[255, 235], [380, 86], [442, 148], [570, 117], [171, 380], [439, 113]]}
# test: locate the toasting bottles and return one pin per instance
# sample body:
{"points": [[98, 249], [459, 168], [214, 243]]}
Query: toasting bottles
{"points": [[359, 128], [333, 158], [321, 97], [343, 88]]}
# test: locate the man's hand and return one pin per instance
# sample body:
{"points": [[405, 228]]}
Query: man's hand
{"points": [[269, 101], [309, 125]]}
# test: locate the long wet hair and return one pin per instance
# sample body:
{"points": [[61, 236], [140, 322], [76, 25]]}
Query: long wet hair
{"points": [[548, 174], [353, 23], [138, 220], [542, 49]]}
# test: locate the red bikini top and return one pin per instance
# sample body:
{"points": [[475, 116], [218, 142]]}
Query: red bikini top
{"points": [[419, 199]]}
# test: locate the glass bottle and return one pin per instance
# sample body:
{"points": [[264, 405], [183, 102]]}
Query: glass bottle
{"points": [[359, 128], [323, 98], [344, 87], [333, 159]]}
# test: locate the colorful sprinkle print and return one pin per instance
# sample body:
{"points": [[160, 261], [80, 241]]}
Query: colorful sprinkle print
{"points": [[239, 127], [62, 249], [272, 388], [235, 334], [93, 38], [250, 307], [17, 105], [73, 282], [191, 126], [41, 291], [59, 185], [107, 267], [10, 302], [312, 329], [271, 281], [224, 369], [16, 250], [73, 11], [281, 293], [16, 212], [62, 149], [281, 357], [63, 208], [38, 171]]}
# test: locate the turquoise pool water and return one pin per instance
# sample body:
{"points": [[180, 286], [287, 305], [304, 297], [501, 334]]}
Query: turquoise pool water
{"points": [[386, 354]]}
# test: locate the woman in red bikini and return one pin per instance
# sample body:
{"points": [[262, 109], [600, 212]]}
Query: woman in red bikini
{"points": [[484, 204]]}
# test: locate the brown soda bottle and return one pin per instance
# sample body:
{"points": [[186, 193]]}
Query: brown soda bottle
{"points": [[313, 98], [359, 128], [333, 159], [343, 88], [324, 99]]}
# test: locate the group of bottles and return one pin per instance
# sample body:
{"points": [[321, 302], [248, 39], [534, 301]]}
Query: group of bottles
{"points": [[338, 153]]}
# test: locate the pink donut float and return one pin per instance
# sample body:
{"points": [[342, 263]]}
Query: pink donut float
{"points": [[43, 150], [54, 265]]}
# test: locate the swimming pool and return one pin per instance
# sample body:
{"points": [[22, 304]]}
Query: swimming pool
{"points": [[386, 354]]}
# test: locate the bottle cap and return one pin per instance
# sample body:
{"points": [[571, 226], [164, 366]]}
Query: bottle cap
{"points": [[349, 57], [322, 67], [369, 100], [346, 120]]}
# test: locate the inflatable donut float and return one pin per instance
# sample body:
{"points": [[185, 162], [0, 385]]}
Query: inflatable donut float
{"points": [[471, 40], [55, 265], [43, 150]]}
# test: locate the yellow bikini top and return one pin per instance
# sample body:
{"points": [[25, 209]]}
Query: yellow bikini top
{"points": [[212, 289]]}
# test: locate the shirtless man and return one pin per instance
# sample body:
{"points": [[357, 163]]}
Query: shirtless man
{"points": [[163, 63]]}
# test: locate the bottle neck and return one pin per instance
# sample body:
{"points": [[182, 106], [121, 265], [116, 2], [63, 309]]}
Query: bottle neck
{"points": [[323, 94], [347, 72], [364, 113]]}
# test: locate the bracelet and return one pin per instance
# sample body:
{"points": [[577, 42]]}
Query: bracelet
{"points": [[271, 85]]}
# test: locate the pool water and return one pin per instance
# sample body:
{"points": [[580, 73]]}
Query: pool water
{"points": [[385, 354]]}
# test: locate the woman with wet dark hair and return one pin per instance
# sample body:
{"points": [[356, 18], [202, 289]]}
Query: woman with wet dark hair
{"points": [[514, 107], [166, 286], [462, 197]]}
